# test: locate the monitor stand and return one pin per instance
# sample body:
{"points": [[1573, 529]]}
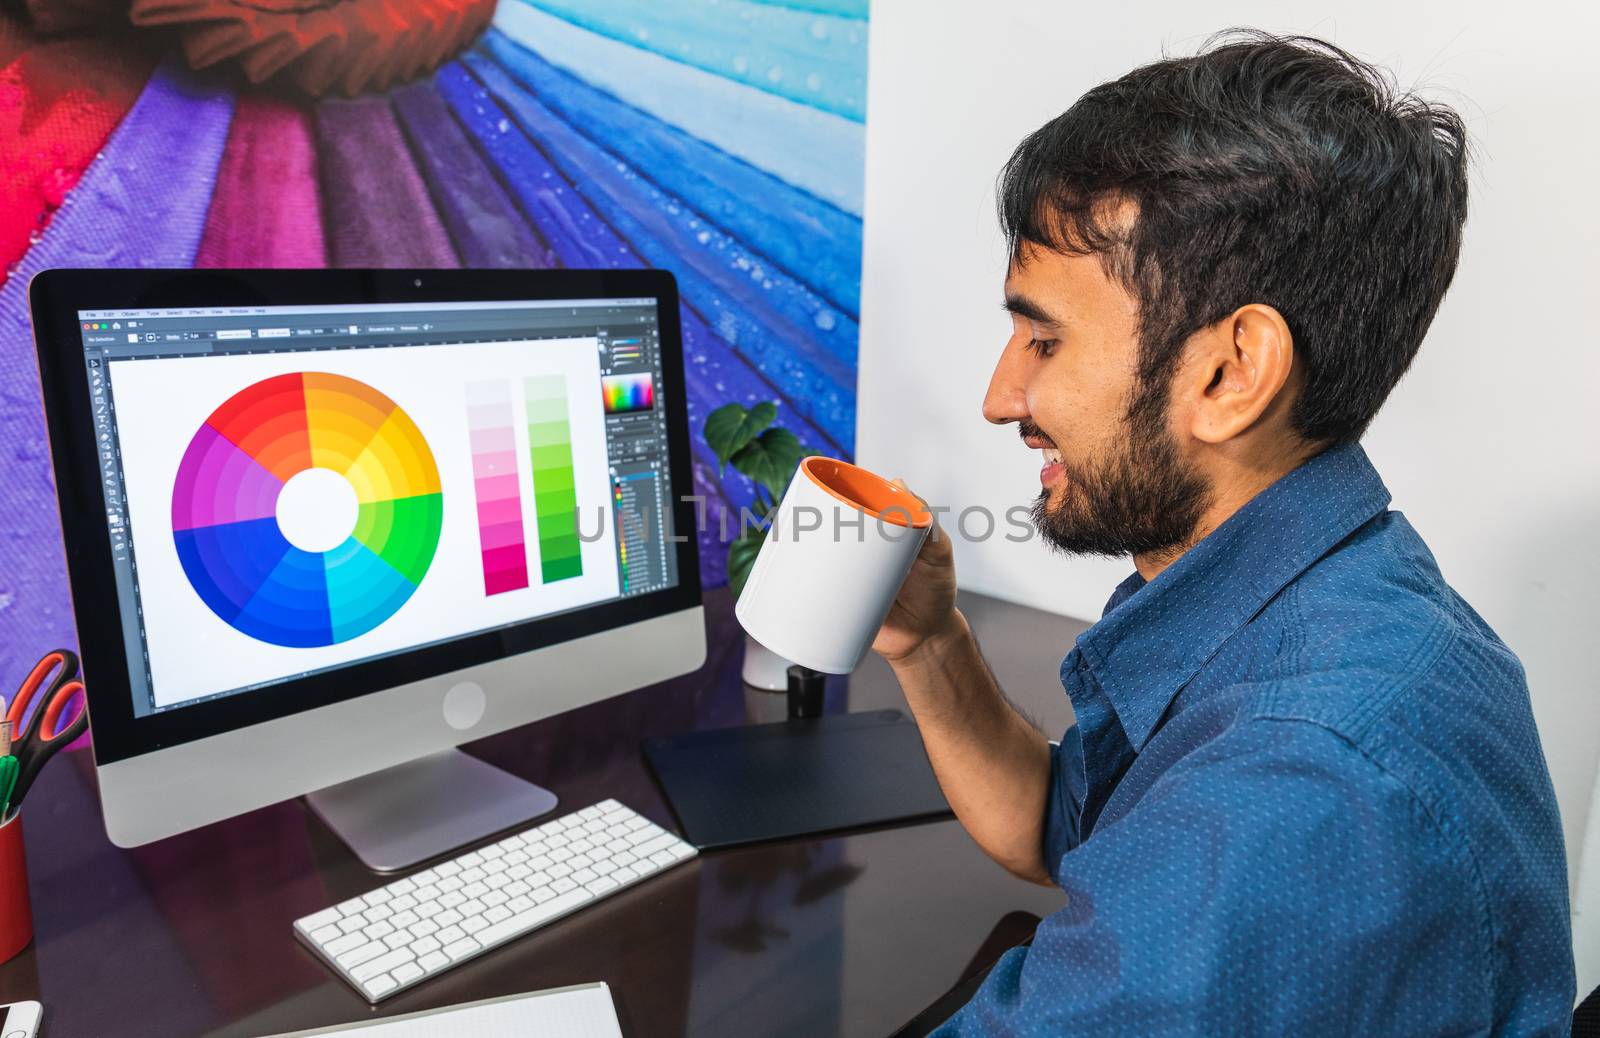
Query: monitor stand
{"points": [[427, 807]]}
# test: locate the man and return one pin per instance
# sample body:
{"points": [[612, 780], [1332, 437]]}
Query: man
{"points": [[1304, 793]]}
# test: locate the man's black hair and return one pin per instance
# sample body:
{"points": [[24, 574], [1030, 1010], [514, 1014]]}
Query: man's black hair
{"points": [[1265, 169]]}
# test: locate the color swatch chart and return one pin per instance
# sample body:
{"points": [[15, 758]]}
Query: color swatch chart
{"points": [[555, 495], [229, 495], [624, 393], [491, 430]]}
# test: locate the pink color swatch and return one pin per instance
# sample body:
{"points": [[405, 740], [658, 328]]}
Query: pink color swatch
{"points": [[492, 434]]}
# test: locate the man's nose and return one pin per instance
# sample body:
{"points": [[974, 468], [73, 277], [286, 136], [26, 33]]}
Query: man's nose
{"points": [[1007, 399]]}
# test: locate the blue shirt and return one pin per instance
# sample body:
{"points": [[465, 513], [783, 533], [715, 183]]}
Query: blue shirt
{"points": [[1304, 795]]}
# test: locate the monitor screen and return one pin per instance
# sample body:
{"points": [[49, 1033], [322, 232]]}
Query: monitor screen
{"points": [[291, 490]]}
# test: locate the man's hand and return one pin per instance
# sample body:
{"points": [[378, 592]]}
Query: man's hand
{"points": [[993, 766], [926, 603]]}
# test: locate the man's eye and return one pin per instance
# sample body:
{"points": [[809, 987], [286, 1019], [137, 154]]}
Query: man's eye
{"points": [[1042, 347]]}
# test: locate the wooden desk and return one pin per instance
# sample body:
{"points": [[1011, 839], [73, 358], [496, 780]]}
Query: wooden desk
{"points": [[850, 935]]}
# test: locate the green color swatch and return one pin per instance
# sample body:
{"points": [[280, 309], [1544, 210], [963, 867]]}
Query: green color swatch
{"points": [[555, 498]]}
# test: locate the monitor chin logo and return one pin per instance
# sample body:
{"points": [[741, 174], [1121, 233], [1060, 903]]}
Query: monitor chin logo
{"points": [[464, 705]]}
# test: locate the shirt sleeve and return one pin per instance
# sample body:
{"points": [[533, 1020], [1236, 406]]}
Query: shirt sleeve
{"points": [[1064, 805], [1274, 881]]}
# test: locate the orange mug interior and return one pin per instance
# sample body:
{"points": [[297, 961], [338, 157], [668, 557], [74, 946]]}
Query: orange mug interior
{"points": [[869, 492]]}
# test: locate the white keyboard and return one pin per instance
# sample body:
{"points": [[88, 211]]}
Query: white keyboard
{"points": [[401, 934]]}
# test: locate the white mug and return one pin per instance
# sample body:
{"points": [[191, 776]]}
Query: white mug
{"points": [[840, 545]]}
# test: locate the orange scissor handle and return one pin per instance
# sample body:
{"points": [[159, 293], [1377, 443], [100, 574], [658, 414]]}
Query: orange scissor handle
{"points": [[30, 687], [50, 727]]}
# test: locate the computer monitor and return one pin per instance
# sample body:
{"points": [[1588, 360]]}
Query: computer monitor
{"points": [[324, 526]]}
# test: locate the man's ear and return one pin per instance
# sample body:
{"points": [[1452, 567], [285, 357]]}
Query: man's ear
{"points": [[1236, 371]]}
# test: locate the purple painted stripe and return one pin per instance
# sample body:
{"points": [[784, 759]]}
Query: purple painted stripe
{"points": [[487, 227], [142, 203], [375, 206]]}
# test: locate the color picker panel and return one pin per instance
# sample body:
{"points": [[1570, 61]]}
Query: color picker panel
{"points": [[492, 430], [555, 498], [624, 393]]}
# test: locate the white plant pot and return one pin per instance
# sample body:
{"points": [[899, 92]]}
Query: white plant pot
{"points": [[764, 668]]}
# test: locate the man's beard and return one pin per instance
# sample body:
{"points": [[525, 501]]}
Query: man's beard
{"points": [[1139, 500]]}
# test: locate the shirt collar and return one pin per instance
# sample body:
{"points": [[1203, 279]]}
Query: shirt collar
{"points": [[1154, 637]]}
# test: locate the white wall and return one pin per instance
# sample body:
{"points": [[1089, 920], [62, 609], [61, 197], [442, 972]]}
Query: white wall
{"points": [[1490, 443]]}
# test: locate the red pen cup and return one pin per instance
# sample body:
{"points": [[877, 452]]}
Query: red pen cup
{"points": [[16, 913]]}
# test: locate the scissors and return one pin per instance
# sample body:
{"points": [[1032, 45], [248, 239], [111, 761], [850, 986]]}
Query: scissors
{"points": [[43, 736]]}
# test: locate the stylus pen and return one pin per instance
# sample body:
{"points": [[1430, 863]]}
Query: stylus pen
{"points": [[5, 731]]}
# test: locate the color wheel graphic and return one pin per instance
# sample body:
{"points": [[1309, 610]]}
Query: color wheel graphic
{"points": [[224, 509]]}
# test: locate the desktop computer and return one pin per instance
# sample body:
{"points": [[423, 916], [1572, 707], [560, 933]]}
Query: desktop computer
{"points": [[324, 526]]}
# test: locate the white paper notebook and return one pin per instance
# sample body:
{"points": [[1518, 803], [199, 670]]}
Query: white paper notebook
{"points": [[583, 1011]]}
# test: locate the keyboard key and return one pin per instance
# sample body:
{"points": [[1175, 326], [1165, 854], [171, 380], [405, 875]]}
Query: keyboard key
{"points": [[407, 972], [340, 945], [326, 934], [462, 948], [433, 960], [665, 840], [366, 953], [323, 919], [377, 987], [382, 964], [600, 885]]}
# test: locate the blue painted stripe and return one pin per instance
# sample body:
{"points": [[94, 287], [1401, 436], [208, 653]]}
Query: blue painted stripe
{"points": [[714, 373], [757, 311], [816, 59], [815, 242], [814, 150], [843, 8]]}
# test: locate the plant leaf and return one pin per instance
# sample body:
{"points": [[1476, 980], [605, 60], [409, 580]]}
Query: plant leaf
{"points": [[731, 426], [770, 460], [741, 556]]}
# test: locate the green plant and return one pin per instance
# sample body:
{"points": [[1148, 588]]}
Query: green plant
{"points": [[764, 453]]}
